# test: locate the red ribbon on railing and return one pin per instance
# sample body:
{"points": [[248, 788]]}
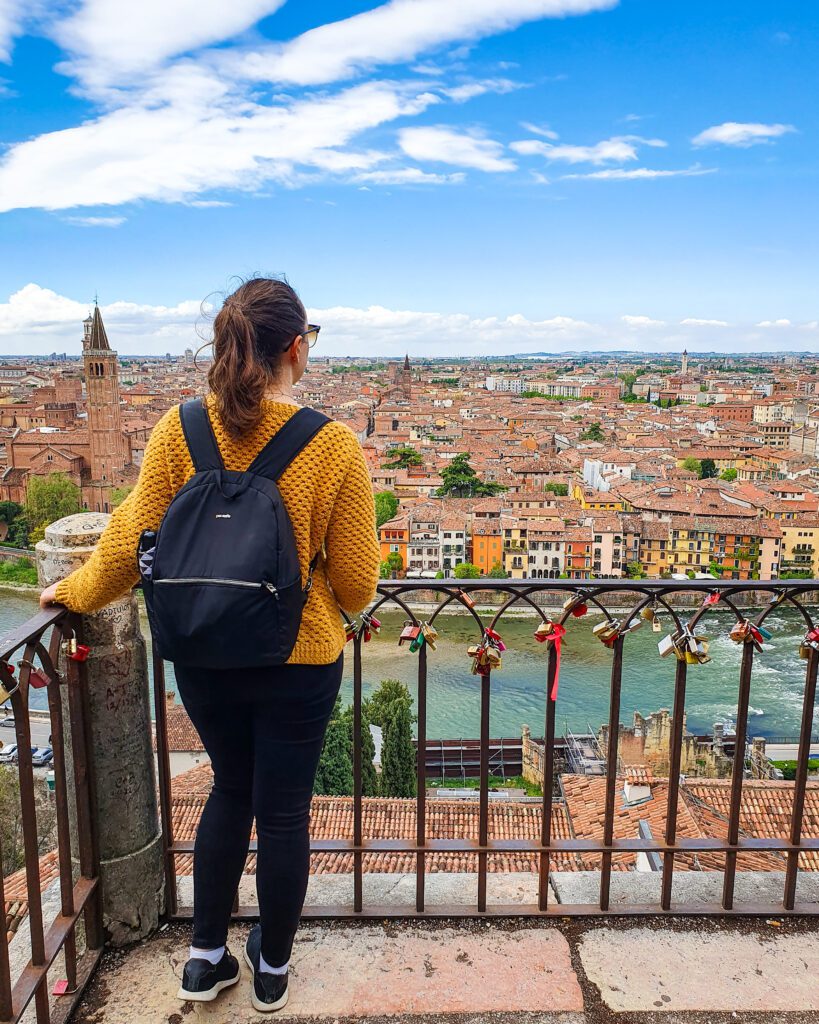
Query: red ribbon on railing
{"points": [[557, 634]]}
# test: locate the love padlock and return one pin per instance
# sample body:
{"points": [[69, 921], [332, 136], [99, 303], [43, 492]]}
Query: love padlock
{"points": [[495, 639], [7, 690], [79, 653], [544, 631], [38, 679]]}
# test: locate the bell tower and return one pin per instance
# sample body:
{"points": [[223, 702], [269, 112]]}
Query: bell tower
{"points": [[106, 441]]}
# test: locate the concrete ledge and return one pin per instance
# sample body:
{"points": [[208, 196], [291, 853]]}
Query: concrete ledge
{"points": [[690, 887], [441, 887], [671, 970]]}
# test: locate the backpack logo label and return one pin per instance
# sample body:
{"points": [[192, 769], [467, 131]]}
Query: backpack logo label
{"points": [[224, 515]]}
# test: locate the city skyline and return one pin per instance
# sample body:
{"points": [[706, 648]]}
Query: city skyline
{"points": [[567, 175]]}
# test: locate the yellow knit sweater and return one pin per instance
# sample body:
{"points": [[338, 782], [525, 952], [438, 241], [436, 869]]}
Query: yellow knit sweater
{"points": [[327, 492]]}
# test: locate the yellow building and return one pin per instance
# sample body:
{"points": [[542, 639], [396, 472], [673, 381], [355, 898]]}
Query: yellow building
{"points": [[800, 546], [605, 500]]}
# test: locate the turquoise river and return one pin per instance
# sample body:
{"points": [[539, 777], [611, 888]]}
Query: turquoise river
{"points": [[518, 689]]}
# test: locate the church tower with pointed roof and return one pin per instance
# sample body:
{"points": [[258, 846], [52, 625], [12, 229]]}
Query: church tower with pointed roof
{"points": [[108, 454]]}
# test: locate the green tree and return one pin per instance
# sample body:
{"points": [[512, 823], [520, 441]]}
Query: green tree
{"points": [[497, 572], [728, 474], [9, 511], [388, 690], [11, 820], [467, 571], [594, 432], [118, 495], [561, 490], [402, 457], [386, 505], [398, 756], [634, 571], [693, 465], [709, 469], [369, 776], [334, 776], [48, 499], [13, 515], [461, 481]]}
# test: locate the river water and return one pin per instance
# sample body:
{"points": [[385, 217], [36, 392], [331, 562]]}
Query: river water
{"points": [[518, 693]]}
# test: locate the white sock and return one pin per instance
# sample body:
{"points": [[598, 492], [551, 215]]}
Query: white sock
{"points": [[211, 955], [265, 968]]}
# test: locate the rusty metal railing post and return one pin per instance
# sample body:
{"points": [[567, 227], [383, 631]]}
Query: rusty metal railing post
{"points": [[421, 781], [548, 774], [673, 782], [801, 780], [163, 767], [358, 825], [737, 774], [611, 769]]}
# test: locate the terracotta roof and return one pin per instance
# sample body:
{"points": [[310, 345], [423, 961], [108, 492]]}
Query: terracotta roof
{"points": [[182, 736], [765, 812], [16, 891]]}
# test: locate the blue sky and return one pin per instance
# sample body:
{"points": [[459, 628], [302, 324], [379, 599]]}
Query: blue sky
{"points": [[438, 176]]}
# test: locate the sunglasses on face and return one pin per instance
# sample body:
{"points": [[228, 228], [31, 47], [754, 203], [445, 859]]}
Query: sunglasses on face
{"points": [[310, 335]]}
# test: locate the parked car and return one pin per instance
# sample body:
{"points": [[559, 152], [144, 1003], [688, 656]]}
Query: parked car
{"points": [[42, 756], [8, 721], [7, 753], [15, 757]]}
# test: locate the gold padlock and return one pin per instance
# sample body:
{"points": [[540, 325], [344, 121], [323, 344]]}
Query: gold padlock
{"points": [[430, 634], [5, 692]]}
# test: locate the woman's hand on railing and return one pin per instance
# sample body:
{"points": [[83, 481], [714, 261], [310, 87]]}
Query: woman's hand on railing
{"points": [[49, 596]]}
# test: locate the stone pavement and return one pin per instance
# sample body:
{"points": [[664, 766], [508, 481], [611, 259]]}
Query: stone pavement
{"points": [[571, 971]]}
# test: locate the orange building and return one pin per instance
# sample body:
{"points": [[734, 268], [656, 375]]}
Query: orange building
{"points": [[394, 537], [487, 545]]}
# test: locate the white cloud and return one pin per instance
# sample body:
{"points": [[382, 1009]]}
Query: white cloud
{"points": [[11, 17], [693, 321], [444, 145], [95, 222], [617, 150], [203, 139], [409, 176], [734, 133], [543, 132], [641, 321], [775, 323], [111, 41], [37, 319], [396, 31], [469, 90], [642, 173]]}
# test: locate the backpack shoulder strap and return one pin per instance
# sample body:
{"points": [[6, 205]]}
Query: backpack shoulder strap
{"points": [[287, 442], [196, 427]]}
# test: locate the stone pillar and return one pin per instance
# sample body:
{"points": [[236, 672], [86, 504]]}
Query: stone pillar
{"points": [[124, 800]]}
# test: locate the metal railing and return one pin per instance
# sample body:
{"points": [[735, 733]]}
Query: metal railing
{"points": [[637, 596], [30, 658]]}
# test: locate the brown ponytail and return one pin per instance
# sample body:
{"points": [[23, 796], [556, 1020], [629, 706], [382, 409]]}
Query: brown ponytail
{"points": [[250, 334]]}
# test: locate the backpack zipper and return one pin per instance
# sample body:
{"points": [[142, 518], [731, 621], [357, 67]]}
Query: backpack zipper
{"points": [[232, 583]]}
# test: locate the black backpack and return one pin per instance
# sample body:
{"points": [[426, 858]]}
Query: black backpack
{"points": [[221, 576]]}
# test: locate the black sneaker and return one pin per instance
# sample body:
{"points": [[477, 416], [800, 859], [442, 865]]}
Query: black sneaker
{"points": [[202, 981], [269, 990]]}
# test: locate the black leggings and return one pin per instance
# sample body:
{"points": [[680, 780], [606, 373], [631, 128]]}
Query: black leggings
{"points": [[263, 730]]}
